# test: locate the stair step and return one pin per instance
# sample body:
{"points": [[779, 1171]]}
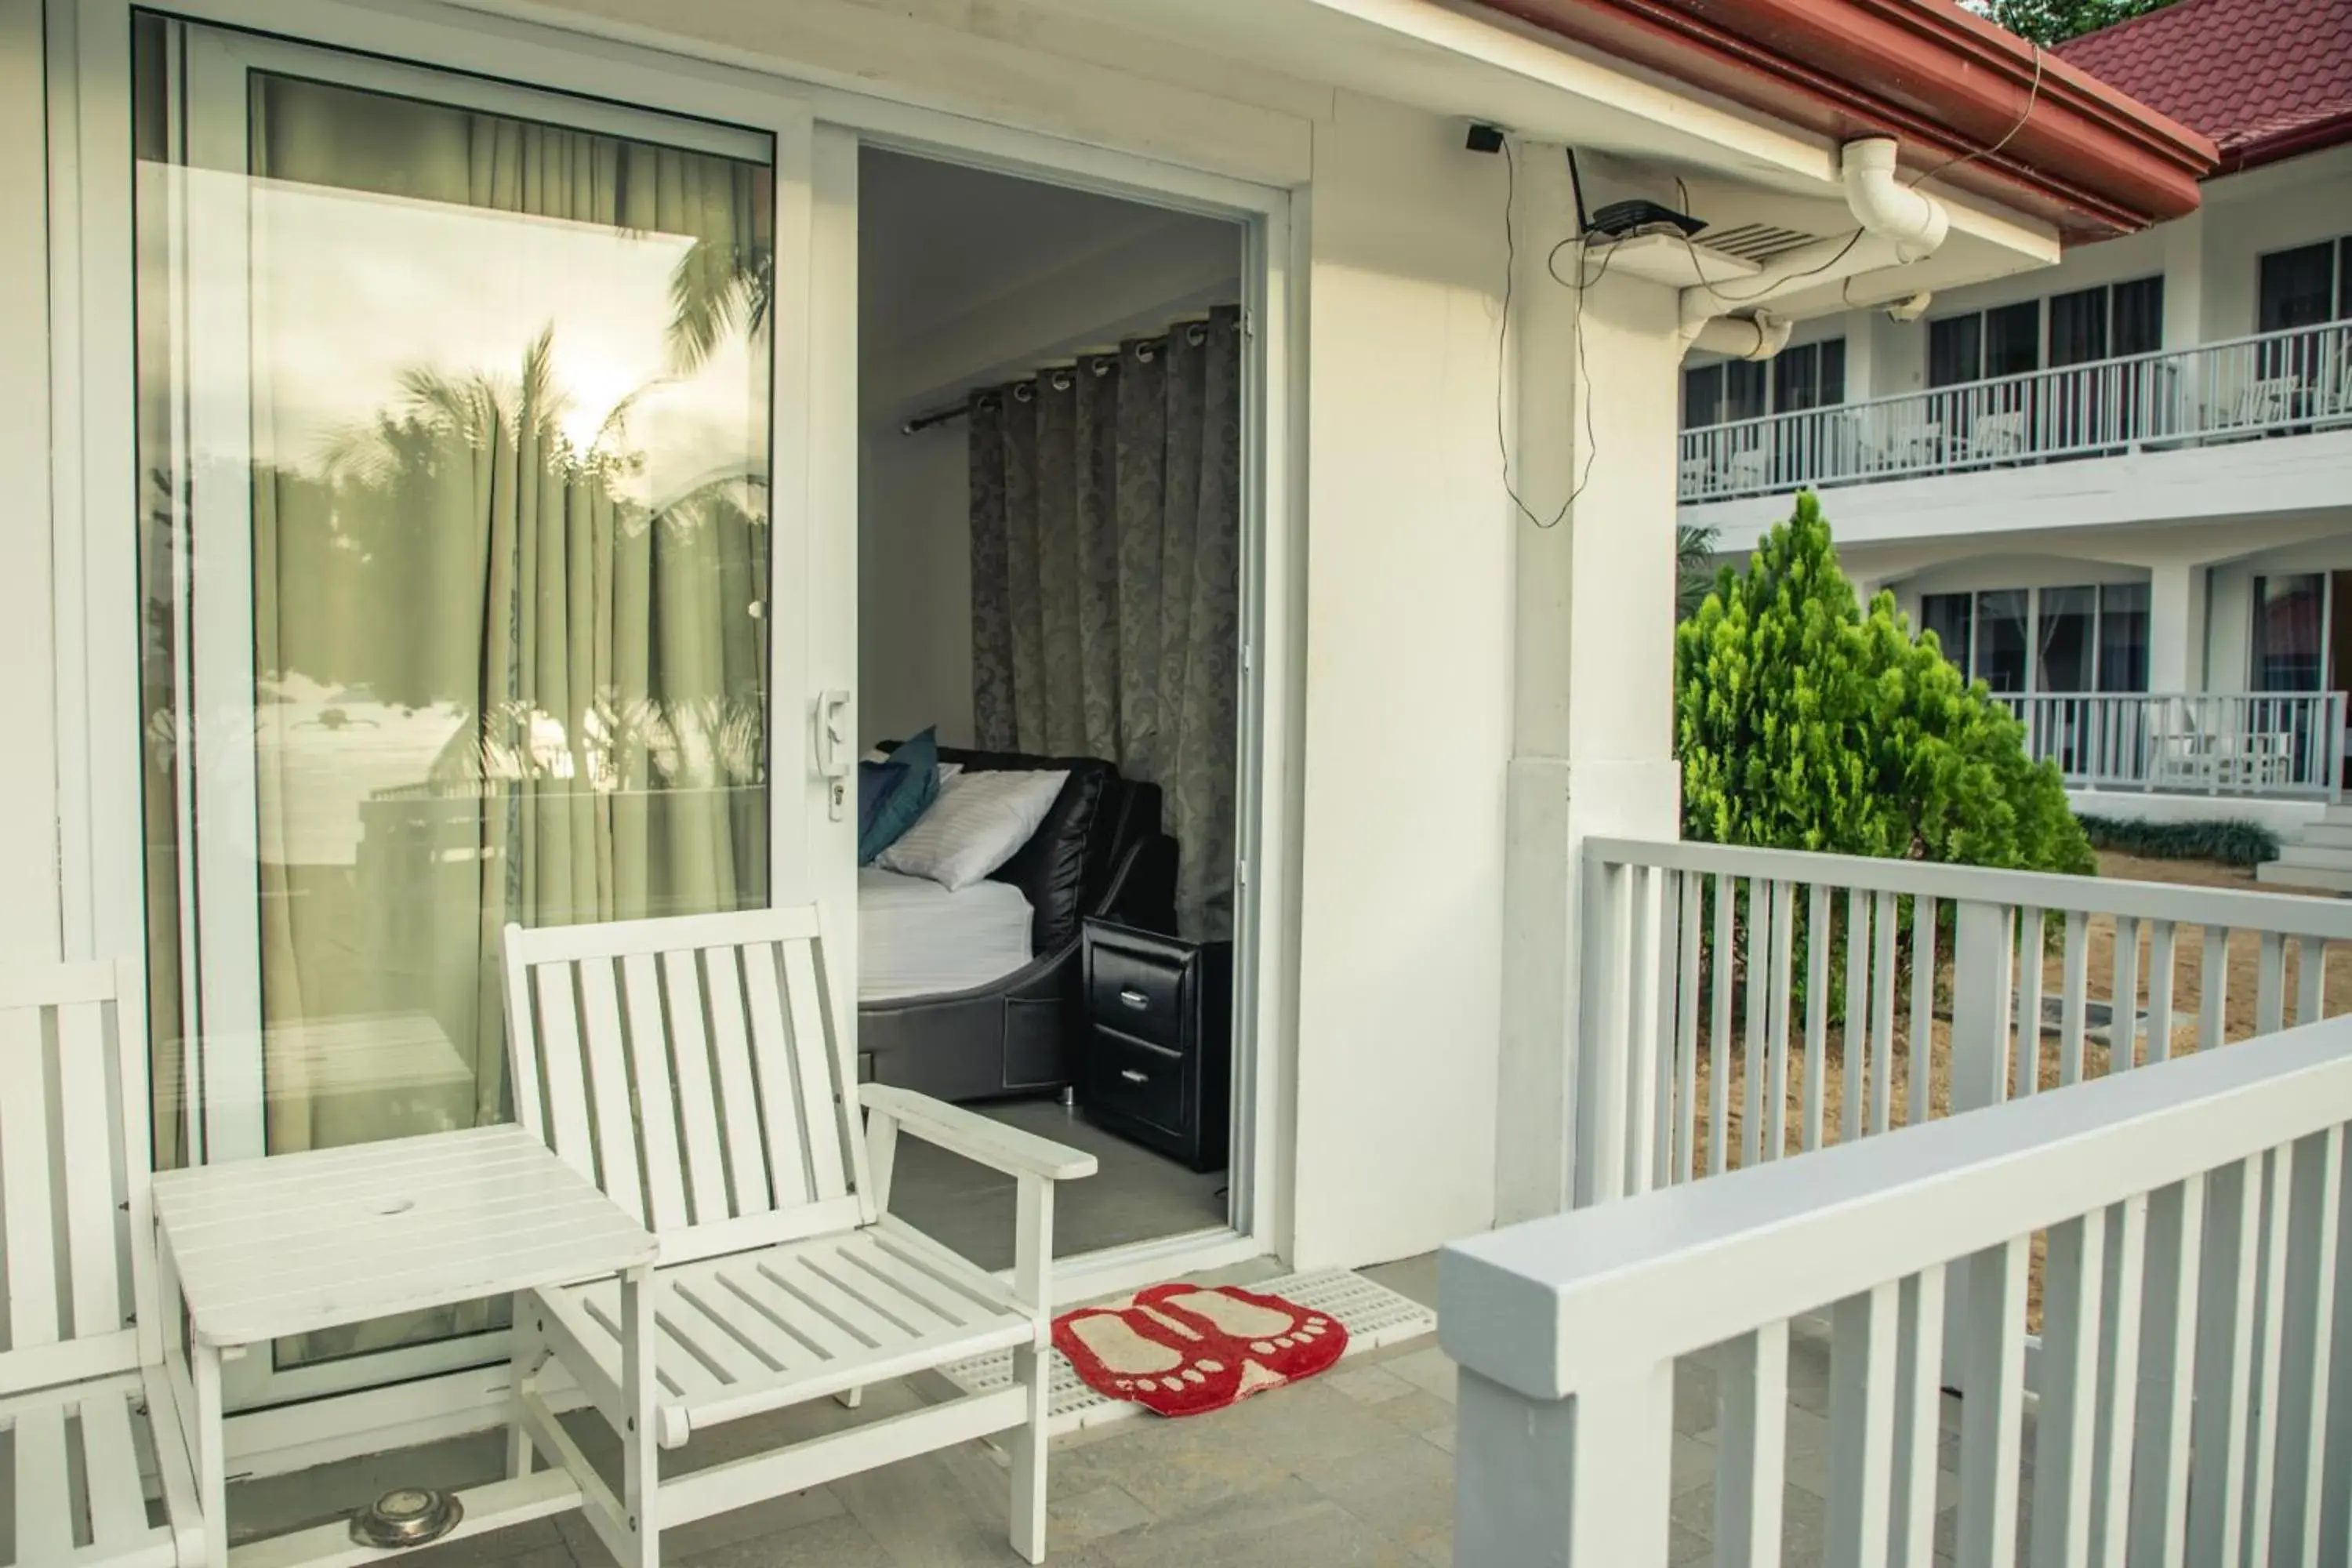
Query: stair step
{"points": [[2309, 878], [2325, 836], [2315, 857]]}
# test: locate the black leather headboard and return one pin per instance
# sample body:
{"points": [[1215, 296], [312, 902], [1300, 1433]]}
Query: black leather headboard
{"points": [[1065, 869]]}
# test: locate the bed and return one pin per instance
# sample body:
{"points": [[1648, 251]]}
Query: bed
{"points": [[948, 1025]]}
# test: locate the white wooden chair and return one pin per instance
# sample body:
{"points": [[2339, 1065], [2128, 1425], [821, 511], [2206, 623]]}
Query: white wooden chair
{"points": [[690, 1068], [82, 1359]]}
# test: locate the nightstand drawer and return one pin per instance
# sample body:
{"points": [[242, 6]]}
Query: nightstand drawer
{"points": [[1136, 1078], [1138, 993]]}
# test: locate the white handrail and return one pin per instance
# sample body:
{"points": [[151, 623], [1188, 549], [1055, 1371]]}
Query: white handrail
{"points": [[2297, 379], [2195, 1400]]}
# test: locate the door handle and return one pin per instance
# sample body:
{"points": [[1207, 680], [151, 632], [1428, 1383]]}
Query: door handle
{"points": [[830, 759]]}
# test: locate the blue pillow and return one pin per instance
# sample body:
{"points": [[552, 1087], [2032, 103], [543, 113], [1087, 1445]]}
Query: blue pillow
{"points": [[875, 783], [908, 796]]}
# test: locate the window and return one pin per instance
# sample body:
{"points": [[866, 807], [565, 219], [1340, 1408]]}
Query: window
{"points": [[2305, 286], [1811, 375], [2289, 613], [2085, 326], [2070, 639], [2123, 637]]}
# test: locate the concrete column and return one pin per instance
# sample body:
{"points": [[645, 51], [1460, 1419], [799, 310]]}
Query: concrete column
{"points": [[1861, 356], [2175, 627], [1593, 647], [2184, 281]]}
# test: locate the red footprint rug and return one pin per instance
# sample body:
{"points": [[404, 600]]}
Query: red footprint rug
{"points": [[1183, 1349]]}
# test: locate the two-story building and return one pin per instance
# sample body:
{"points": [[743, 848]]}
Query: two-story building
{"points": [[2120, 490]]}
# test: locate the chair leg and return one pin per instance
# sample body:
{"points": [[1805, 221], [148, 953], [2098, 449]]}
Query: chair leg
{"points": [[850, 1398], [1034, 1372], [640, 1452], [529, 1355]]}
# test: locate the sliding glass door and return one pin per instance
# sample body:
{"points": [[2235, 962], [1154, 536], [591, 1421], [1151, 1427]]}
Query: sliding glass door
{"points": [[464, 599]]}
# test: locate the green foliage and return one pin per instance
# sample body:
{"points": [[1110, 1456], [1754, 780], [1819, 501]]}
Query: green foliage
{"points": [[2050, 22], [1694, 568], [1803, 723], [2230, 843]]}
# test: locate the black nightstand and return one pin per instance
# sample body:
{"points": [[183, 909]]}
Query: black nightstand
{"points": [[1158, 1055]]}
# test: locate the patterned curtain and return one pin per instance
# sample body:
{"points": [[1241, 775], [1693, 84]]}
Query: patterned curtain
{"points": [[1106, 520]]}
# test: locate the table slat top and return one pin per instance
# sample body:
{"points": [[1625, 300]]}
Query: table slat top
{"points": [[296, 1243]]}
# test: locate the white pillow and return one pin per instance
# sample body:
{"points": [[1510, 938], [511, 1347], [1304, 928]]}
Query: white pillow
{"points": [[979, 821]]}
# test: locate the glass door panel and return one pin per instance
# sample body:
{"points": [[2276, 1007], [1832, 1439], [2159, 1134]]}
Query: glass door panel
{"points": [[460, 590]]}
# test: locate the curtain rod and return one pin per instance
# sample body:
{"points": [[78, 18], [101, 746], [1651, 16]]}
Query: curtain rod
{"points": [[947, 413]]}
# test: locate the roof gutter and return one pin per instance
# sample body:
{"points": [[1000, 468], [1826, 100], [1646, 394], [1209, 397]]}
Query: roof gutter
{"points": [[1947, 84]]}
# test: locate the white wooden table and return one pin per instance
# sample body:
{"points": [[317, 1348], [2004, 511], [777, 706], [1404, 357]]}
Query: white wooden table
{"points": [[264, 1249]]}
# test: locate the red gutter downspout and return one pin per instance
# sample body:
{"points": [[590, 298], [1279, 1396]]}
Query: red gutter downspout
{"points": [[1943, 82]]}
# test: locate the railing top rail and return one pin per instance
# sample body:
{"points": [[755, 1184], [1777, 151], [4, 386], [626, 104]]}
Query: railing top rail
{"points": [[2291, 914], [1961, 389], [2164, 696], [1555, 1305]]}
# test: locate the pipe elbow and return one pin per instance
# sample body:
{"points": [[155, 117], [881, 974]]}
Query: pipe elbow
{"points": [[1883, 205], [1756, 337]]}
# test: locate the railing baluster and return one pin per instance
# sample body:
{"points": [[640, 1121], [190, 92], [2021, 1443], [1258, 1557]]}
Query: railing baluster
{"points": [[2311, 979], [2161, 944], [1993, 1337], [2213, 991], [1924, 913], [1861, 1426], [1918, 1420], [1882, 1006], [1718, 1038], [1614, 1440], [2335, 1507], [1856, 1042], [2075, 997], [2072, 1275], [2270, 986], [2278, 1217], [1817, 1008], [1784, 969], [1693, 895], [2125, 1295], [2026, 1071], [1756, 1041], [2225, 1364], [1640, 980], [2170, 1338], [1750, 1445], [1665, 1116], [2305, 1466], [2123, 1013]]}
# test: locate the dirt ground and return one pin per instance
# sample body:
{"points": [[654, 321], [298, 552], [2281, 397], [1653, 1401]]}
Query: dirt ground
{"points": [[2240, 1001]]}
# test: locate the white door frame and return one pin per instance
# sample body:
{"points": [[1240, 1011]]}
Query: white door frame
{"points": [[95, 484]]}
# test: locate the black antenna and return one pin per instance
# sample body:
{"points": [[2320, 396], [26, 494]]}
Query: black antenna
{"points": [[1576, 184]]}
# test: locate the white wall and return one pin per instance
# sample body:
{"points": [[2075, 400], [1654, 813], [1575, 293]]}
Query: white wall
{"points": [[914, 585], [28, 840], [1408, 691]]}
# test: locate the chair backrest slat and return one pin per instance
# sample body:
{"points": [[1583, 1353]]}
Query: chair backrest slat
{"points": [[652, 1071], [75, 1162], [737, 1122], [705, 1167], [697, 1056]]}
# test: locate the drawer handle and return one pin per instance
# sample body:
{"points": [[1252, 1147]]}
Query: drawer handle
{"points": [[1134, 999], [1134, 1076]]}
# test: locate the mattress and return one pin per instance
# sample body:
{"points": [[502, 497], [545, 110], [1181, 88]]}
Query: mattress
{"points": [[916, 939]]}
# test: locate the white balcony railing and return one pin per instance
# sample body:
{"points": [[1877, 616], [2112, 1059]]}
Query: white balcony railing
{"points": [[2196, 1380], [1738, 1006], [2265, 743], [2269, 384]]}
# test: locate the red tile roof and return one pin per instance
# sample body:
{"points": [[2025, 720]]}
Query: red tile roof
{"points": [[2264, 79]]}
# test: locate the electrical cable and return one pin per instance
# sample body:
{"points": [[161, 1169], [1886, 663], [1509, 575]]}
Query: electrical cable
{"points": [[1503, 340], [2032, 97]]}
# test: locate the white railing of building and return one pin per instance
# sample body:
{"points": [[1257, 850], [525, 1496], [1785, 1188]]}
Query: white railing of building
{"points": [[1738, 1005], [2196, 1389], [2293, 379], [2281, 744]]}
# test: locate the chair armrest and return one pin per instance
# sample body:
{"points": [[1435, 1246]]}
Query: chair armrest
{"points": [[975, 1137]]}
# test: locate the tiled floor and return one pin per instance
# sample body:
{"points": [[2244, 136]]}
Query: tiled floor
{"points": [[1355, 1468]]}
